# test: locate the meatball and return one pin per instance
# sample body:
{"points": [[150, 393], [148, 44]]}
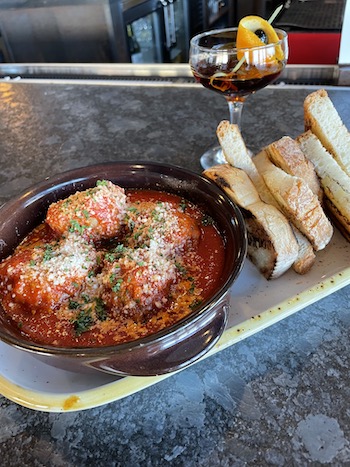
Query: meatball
{"points": [[160, 223], [138, 282], [96, 213], [42, 277]]}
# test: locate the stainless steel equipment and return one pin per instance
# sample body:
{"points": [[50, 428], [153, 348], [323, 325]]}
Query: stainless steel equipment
{"points": [[158, 30], [94, 31]]}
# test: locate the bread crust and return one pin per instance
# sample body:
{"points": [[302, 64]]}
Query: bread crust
{"points": [[306, 256], [235, 182], [322, 118], [272, 246], [339, 220], [287, 155], [283, 178], [297, 202], [233, 146], [238, 156], [335, 182]]}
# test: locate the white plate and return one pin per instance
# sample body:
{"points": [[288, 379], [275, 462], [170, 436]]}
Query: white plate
{"points": [[255, 304]]}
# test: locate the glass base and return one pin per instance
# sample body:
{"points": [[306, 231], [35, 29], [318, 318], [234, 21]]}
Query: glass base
{"points": [[213, 156]]}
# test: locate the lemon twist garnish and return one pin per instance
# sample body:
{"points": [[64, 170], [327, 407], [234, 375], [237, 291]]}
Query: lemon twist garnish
{"points": [[270, 20], [221, 74]]}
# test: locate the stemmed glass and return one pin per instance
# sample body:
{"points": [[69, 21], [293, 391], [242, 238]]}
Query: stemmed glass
{"points": [[235, 73]]}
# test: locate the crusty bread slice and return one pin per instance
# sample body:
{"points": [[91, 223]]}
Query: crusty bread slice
{"points": [[234, 182], [233, 145], [322, 118], [339, 220], [287, 155], [272, 246], [335, 182], [306, 255], [296, 201], [236, 153], [271, 243]]}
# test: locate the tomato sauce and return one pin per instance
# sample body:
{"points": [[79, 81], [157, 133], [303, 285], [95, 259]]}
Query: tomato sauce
{"points": [[110, 304]]}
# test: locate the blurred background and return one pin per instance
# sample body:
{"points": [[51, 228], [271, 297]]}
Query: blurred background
{"points": [[154, 31], [44, 34]]}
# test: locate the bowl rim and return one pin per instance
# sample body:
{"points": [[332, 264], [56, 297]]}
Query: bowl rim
{"points": [[68, 177], [194, 42]]}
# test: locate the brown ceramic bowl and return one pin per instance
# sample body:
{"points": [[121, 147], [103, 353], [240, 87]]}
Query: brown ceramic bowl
{"points": [[172, 348]]}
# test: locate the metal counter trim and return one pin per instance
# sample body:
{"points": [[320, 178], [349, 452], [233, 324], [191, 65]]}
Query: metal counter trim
{"points": [[296, 74]]}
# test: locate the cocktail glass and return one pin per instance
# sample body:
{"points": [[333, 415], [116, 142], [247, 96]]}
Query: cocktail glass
{"points": [[233, 72]]}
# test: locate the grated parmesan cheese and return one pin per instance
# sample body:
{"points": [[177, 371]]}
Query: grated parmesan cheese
{"points": [[139, 274]]}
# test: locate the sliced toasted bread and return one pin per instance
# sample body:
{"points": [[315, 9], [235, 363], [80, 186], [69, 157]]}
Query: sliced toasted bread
{"points": [[238, 156], [271, 242], [234, 182], [272, 246], [287, 155], [340, 221], [335, 182], [322, 118], [306, 255], [296, 201], [233, 145]]}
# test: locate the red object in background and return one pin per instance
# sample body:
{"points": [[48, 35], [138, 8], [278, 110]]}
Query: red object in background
{"points": [[313, 48]]}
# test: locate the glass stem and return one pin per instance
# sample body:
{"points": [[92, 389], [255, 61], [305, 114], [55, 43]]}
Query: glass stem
{"points": [[235, 108]]}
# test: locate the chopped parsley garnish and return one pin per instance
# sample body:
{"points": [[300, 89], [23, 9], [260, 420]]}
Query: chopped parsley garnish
{"points": [[110, 257], [207, 220], [183, 205], [85, 297], [47, 253], [100, 309], [191, 289], [181, 268], [85, 316], [76, 227], [114, 254], [157, 216], [117, 285], [119, 248], [82, 322], [101, 183], [73, 305]]}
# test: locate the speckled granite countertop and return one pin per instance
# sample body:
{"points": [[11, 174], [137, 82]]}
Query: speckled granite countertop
{"points": [[280, 397]]}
